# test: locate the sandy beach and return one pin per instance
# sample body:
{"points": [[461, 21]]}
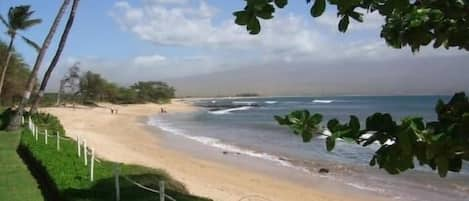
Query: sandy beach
{"points": [[124, 138]]}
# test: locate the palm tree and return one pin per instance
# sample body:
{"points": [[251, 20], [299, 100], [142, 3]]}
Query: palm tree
{"points": [[56, 58], [16, 120], [19, 19]]}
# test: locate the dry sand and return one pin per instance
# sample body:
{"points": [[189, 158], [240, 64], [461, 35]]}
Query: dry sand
{"points": [[124, 138]]}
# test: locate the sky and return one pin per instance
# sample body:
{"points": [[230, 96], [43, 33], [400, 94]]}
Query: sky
{"points": [[195, 40]]}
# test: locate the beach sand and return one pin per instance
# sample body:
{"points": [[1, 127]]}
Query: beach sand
{"points": [[125, 138]]}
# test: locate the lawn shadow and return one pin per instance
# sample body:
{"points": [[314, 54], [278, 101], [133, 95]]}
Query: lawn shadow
{"points": [[104, 190]]}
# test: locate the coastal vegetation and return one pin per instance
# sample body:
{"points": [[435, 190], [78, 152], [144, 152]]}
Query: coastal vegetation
{"points": [[94, 88], [66, 178], [15, 122], [15, 78], [19, 18], [61, 174]]}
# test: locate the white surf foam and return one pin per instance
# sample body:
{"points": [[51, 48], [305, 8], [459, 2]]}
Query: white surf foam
{"points": [[322, 101], [364, 187], [244, 102], [227, 111], [270, 102], [213, 142]]}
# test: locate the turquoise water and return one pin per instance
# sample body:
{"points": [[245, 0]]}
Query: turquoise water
{"points": [[246, 127]]}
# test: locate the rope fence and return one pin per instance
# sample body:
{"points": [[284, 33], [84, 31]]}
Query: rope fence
{"points": [[88, 152]]}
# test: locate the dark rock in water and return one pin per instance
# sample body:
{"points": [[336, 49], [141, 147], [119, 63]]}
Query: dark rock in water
{"points": [[225, 152], [323, 170]]}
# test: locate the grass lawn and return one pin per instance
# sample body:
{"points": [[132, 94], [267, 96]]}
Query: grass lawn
{"points": [[71, 178], [16, 182]]}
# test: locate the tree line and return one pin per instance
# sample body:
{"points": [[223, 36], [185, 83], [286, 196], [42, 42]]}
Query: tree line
{"points": [[94, 88]]}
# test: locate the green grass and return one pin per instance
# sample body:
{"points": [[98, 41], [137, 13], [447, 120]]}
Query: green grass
{"points": [[67, 173], [16, 182]]}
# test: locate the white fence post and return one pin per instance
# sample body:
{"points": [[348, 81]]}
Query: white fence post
{"points": [[85, 154], [162, 191], [78, 147], [45, 136], [36, 131], [92, 165], [58, 140], [116, 182]]}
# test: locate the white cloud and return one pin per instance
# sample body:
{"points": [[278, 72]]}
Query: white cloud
{"points": [[148, 60], [189, 26]]}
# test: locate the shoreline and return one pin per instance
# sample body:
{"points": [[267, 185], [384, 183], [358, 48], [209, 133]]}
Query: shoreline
{"points": [[109, 134]]}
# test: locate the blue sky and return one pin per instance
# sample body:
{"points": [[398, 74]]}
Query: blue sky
{"points": [[130, 40]]}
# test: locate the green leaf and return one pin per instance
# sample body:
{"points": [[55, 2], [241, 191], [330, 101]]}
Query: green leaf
{"points": [[281, 3], [343, 23], [316, 118], [307, 135], [442, 164], [281, 120], [254, 26], [318, 8], [354, 124], [31, 43], [332, 125], [373, 161], [241, 17], [330, 143], [356, 16]]}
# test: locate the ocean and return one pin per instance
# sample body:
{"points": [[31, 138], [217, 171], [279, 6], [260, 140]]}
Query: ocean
{"points": [[242, 131]]}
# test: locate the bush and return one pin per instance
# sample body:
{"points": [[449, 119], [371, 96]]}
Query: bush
{"points": [[47, 121], [68, 179]]}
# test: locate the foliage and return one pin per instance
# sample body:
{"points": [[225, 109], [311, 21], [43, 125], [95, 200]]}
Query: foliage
{"points": [[407, 23], [17, 182], [15, 78], [19, 18], [441, 145], [71, 178], [156, 92], [93, 87], [47, 121]]}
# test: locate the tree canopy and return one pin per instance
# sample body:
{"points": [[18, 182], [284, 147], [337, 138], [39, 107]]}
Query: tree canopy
{"points": [[93, 87], [413, 23], [15, 78]]}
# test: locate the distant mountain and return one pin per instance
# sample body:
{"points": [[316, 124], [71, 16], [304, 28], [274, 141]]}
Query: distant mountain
{"points": [[428, 75]]}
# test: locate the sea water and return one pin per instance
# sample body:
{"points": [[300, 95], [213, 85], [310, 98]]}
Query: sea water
{"points": [[245, 127]]}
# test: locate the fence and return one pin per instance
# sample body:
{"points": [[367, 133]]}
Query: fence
{"points": [[87, 152]]}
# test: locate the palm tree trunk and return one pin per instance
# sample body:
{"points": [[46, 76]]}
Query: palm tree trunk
{"points": [[7, 63], [56, 58], [15, 122]]}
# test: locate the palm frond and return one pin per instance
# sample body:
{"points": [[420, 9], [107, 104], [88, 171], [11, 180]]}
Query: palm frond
{"points": [[4, 21], [31, 43], [30, 23]]}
